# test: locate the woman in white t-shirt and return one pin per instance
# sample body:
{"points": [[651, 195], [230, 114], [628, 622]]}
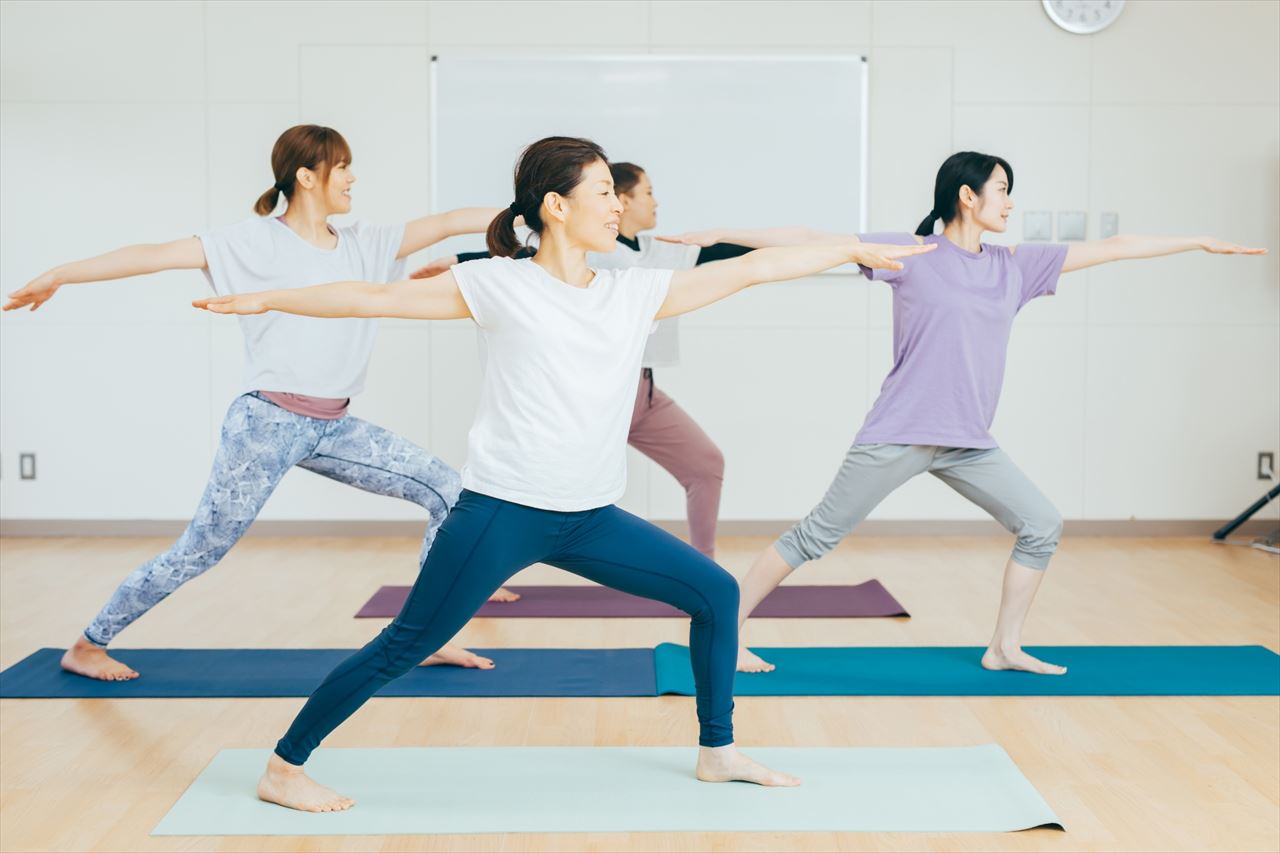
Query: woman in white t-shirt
{"points": [[547, 452], [660, 428], [300, 373]]}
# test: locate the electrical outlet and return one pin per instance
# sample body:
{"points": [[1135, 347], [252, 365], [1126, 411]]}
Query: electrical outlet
{"points": [[1266, 465], [1109, 224], [1037, 225], [27, 466], [1071, 225]]}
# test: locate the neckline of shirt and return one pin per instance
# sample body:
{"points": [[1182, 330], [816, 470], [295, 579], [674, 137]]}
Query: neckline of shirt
{"points": [[595, 276], [336, 233], [945, 243]]}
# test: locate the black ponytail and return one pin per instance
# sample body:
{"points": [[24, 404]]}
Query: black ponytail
{"points": [[964, 168], [925, 228], [501, 237], [550, 165]]}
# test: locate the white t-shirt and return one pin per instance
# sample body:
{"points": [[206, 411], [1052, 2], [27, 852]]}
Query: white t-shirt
{"points": [[319, 357], [663, 346], [559, 381]]}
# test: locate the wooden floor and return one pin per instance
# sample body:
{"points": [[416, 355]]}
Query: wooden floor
{"points": [[1122, 773]]}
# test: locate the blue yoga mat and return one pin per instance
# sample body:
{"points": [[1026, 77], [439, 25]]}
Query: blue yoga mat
{"points": [[956, 671], [930, 671], [297, 672]]}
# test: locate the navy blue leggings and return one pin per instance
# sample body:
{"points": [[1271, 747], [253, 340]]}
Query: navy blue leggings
{"points": [[482, 543]]}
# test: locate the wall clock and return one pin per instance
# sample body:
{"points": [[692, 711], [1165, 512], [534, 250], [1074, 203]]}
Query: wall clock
{"points": [[1083, 16]]}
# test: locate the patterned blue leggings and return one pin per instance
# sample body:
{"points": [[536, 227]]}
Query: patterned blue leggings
{"points": [[260, 443]]}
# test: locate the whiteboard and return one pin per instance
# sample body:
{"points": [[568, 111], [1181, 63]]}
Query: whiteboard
{"points": [[746, 141]]}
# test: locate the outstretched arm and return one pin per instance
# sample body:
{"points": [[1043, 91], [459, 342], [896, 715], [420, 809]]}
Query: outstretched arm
{"points": [[760, 238], [430, 299], [692, 289], [183, 254], [1125, 247], [429, 230]]}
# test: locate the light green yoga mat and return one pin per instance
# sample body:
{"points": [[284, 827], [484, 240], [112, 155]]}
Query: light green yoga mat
{"points": [[606, 789]]}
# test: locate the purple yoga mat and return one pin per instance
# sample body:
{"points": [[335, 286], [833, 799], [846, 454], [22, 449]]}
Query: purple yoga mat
{"points": [[823, 602]]}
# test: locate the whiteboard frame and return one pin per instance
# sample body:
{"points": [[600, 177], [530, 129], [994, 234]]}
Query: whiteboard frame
{"points": [[863, 142]]}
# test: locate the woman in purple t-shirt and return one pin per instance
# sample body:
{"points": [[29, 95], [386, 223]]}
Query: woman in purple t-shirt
{"points": [[952, 313]]}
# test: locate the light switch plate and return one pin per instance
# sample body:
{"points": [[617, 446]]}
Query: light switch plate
{"points": [[1071, 225], [1037, 225], [1109, 224]]}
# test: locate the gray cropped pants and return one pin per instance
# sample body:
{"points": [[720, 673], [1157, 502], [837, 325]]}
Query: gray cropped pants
{"points": [[988, 477]]}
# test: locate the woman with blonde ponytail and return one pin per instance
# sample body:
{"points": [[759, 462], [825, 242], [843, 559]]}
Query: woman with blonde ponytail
{"points": [[300, 373]]}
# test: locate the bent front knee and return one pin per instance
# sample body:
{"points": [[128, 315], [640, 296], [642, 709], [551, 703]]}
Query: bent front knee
{"points": [[718, 599]]}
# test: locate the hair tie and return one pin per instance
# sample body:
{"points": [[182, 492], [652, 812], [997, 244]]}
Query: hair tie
{"points": [[514, 207], [279, 186]]}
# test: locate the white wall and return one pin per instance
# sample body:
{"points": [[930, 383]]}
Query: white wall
{"points": [[1142, 390]]}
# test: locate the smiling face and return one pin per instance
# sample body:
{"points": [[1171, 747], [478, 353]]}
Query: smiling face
{"points": [[331, 192], [639, 207], [990, 208], [337, 189], [590, 214]]}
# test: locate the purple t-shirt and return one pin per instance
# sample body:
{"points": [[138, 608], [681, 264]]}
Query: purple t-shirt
{"points": [[952, 313]]}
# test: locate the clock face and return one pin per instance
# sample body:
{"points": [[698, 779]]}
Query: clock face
{"points": [[1083, 16]]}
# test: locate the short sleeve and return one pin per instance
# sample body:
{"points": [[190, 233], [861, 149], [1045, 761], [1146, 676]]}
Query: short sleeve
{"points": [[720, 252], [654, 284], [231, 254], [470, 278], [659, 254], [1040, 265], [893, 238], [378, 247]]}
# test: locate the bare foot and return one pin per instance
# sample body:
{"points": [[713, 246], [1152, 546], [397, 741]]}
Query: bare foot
{"points": [[452, 655], [749, 661], [504, 595], [84, 658], [1013, 657], [286, 785], [726, 764]]}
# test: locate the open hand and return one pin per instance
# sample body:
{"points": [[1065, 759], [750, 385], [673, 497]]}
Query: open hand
{"points": [[693, 238], [37, 292], [1221, 247], [436, 267], [885, 256], [243, 303]]}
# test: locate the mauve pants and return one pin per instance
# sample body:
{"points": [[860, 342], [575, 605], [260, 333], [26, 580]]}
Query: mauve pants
{"points": [[666, 434]]}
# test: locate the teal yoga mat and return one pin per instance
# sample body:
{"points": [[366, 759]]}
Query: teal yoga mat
{"points": [[413, 791], [956, 671], [905, 671]]}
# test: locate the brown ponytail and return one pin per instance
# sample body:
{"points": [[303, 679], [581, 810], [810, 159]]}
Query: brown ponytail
{"points": [[304, 146], [550, 165]]}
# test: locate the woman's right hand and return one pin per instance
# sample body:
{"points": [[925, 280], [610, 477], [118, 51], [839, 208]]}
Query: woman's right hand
{"points": [[240, 303], [37, 292], [885, 256]]}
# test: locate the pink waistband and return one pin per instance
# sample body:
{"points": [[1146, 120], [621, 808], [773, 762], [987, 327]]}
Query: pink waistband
{"points": [[325, 408]]}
